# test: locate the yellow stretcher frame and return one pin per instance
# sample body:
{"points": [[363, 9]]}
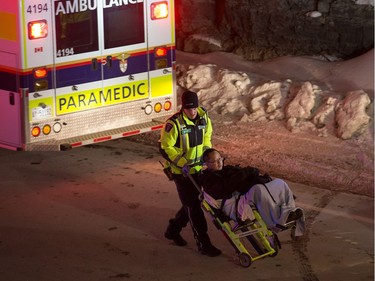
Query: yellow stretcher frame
{"points": [[264, 240], [256, 232]]}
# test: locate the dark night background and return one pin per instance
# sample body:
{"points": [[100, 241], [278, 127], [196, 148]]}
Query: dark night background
{"points": [[260, 30]]}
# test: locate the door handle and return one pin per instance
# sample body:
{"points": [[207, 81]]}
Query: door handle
{"points": [[11, 99], [94, 64], [109, 61]]}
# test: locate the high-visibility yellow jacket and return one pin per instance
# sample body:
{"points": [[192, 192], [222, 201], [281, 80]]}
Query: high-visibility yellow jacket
{"points": [[183, 141]]}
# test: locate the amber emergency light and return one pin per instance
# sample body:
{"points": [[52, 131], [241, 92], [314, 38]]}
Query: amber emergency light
{"points": [[159, 10], [158, 107], [46, 129], [37, 29]]}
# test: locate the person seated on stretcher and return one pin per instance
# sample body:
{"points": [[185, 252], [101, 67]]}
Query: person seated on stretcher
{"points": [[236, 190]]}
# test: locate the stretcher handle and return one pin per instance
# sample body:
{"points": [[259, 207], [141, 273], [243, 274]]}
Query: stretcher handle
{"points": [[186, 174]]}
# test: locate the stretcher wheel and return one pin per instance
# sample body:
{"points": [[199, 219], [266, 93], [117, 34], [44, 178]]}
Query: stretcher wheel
{"points": [[245, 259], [276, 248], [275, 243]]}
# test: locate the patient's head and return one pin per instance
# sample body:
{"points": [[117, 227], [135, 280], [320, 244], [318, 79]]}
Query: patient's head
{"points": [[213, 159]]}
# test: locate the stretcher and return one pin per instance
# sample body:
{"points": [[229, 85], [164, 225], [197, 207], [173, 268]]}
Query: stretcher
{"points": [[252, 240]]}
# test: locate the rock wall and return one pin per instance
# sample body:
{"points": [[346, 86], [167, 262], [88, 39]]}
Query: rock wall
{"points": [[259, 30]]}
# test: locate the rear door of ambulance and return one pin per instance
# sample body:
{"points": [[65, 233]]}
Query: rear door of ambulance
{"points": [[103, 56], [94, 42]]}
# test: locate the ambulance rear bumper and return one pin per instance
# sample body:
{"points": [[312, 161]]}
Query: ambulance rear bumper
{"points": [[67, 144]]}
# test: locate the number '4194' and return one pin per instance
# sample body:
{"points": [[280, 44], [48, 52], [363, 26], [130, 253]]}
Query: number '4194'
{"points": [[37, 9], [65, 52]]}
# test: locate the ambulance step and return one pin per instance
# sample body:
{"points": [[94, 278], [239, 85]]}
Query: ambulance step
{"points": [[66, 144]]}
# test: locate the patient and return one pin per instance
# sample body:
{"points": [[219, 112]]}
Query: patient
{"points": [[237, 190]]}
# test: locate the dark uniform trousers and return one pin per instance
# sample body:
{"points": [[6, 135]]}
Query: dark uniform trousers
{"points": [[191, 211]]}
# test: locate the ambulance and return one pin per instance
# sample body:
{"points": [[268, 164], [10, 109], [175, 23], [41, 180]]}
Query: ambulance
{"points": [[78, 72]]}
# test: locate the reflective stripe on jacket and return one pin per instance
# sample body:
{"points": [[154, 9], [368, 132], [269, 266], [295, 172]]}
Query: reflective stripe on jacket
{"points": [[183, 141]]}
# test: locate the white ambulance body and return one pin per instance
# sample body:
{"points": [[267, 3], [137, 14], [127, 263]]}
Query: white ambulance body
{"points": [[77, 72]]}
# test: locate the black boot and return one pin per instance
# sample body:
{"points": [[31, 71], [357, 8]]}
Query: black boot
{"points": [[173, 233], [205, 247], [210, 250]]}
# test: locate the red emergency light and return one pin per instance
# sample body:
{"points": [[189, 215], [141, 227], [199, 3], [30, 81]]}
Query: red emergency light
{"points": [[160, 51], [159, 10], [37, 29], [167, 105], [35, 131], [40, 72]]}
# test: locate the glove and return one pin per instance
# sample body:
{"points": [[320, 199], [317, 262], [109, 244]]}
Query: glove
{"points": [[186, 169]]}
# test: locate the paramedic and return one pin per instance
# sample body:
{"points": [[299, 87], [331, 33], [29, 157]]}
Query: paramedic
{"points": [[243, 187], [184, 138]]}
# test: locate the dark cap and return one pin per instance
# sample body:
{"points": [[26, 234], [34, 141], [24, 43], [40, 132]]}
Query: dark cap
{"points": [[189, 100]]}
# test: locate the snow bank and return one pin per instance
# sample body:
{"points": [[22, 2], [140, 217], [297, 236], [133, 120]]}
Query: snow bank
{"points": [[351, 114], [243, 97]]}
